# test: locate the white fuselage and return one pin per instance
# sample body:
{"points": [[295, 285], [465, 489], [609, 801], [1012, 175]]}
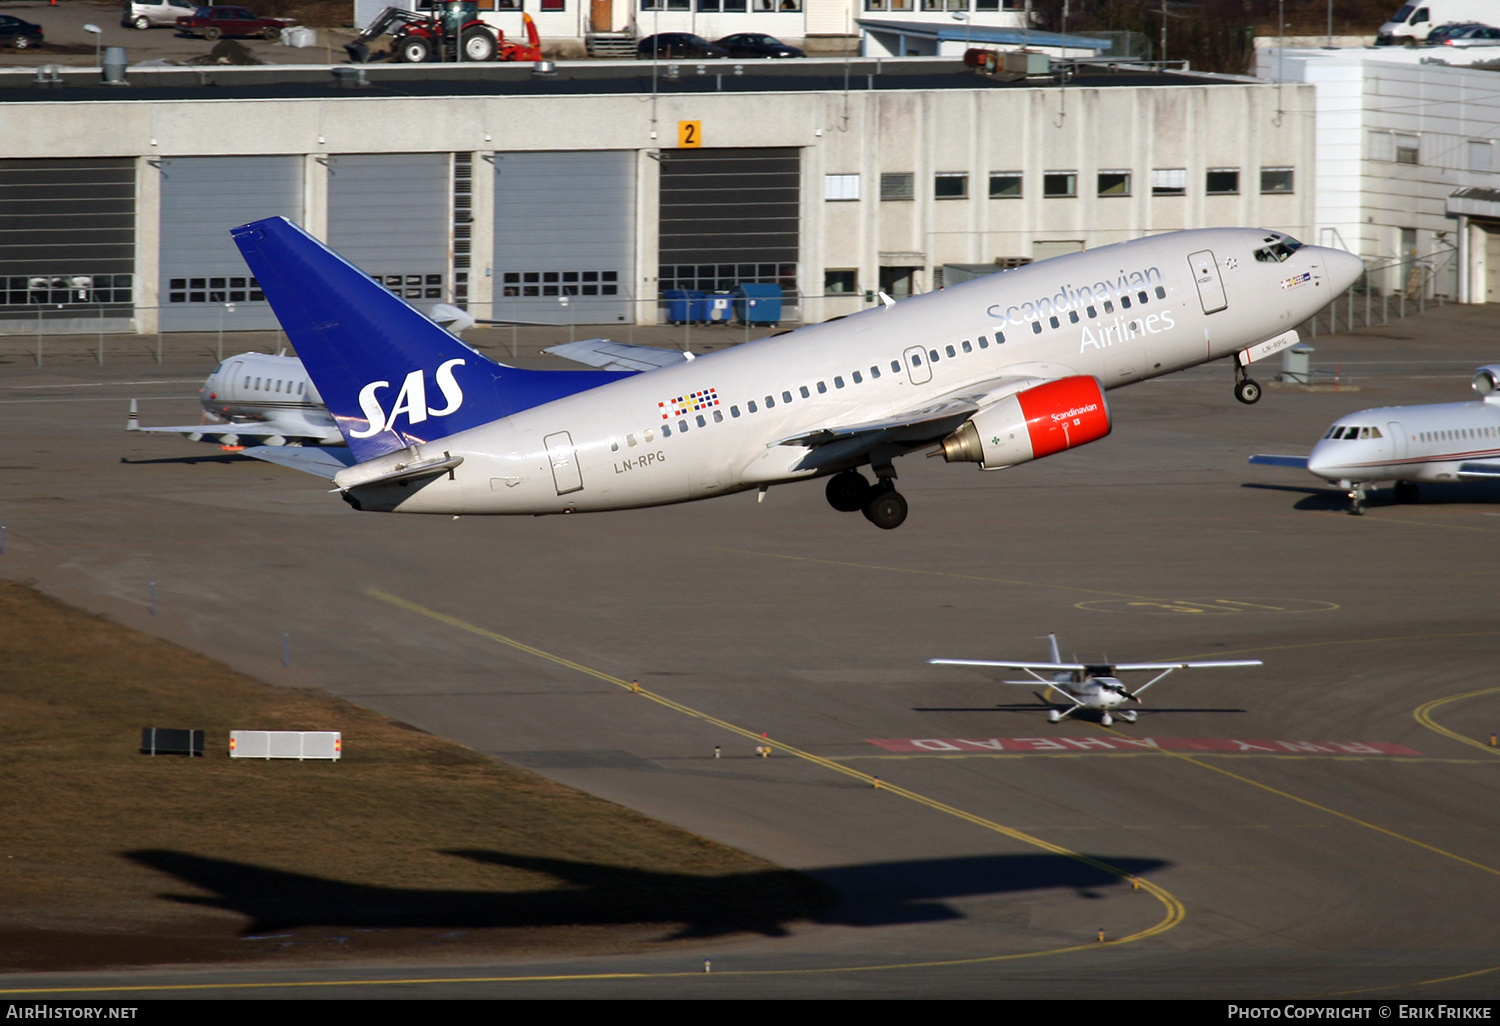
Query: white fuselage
{"points": [[269, 390], [711, 426], [1408, 443]]}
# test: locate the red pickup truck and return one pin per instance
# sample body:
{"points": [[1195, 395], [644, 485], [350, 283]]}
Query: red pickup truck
{"points": [[213, 22]]}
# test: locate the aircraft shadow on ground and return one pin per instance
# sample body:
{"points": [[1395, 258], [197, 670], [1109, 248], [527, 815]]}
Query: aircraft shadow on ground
{"points": [[763, 902], [1439, 493], [218, 457]]}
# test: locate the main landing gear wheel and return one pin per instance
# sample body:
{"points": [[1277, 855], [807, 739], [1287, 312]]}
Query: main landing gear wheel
{"points": [[1053, 716], [1128, 715], [848, 492], [886, 509], [1247, 391]]}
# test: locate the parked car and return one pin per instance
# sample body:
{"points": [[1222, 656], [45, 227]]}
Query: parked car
{"points": [[678, 44], [144, 15], [22, 35], [1469, 35], [757, 44], [213, 22]]}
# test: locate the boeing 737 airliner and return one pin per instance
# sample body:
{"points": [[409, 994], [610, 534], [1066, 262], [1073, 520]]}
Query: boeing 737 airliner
{"points": [[997, 371]]}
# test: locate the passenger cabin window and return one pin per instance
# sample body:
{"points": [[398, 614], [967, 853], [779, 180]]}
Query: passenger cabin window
{"points": [[857, 380], [734, 411], [650, 435], [802, 391], [701, 421], [950, 351], [786, 397], [718, 416], [614, 446], [969, 348], [822, 388], [630, 440]]}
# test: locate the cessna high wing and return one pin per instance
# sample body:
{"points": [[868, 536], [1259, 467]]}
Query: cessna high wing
{"points": [[1091, 687], [995, 372], [1408, 445], [256, 399]]}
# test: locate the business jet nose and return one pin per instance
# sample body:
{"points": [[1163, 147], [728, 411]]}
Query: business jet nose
{"points": [[1344, 268], [1320, 461]]}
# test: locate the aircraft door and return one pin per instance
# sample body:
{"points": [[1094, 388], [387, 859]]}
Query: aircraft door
{"points": [[916, 365], [563, 455], [1210, 286], [1398, 440]]}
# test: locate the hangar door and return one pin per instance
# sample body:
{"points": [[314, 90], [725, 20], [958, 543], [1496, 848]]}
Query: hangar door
{"points": [[204, 280], [1491, 263], [67, 237], [389, 214], [565, 237], [728, 217]]}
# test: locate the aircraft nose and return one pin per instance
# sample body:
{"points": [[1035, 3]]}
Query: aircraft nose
{"points": [[1320, 461], [1344, 268]]}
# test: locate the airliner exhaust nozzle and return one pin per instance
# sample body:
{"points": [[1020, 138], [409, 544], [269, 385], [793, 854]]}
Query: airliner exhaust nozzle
{"points": [[1040, 421]]}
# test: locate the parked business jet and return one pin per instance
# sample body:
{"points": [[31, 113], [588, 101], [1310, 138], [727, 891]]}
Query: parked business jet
{"points": [[1408, 444], [1092, 687], [256, 399], [996, 371]]}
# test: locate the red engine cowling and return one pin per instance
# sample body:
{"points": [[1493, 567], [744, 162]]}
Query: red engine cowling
{"points": [[1040, 421]]}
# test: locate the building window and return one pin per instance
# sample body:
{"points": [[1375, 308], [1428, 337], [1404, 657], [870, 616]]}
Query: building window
{"points": [[890, 5], [1481, 156], [945, 5], [896, 186], [1222, 181], [1171, 181], [1275, 179], [840, 281], [554, 5], [657, 5], [1005, 185], [951, 185], [1407, 149], [1060, 183], [1114, 183], [841, 187]]}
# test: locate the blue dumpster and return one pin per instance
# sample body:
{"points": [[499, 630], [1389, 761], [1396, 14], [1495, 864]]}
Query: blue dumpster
{"points": [[685, 306], [756, 303]]}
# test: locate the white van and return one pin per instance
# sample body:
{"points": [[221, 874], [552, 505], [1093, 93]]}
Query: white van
{"points": [[155, 12], [1413, 21]]}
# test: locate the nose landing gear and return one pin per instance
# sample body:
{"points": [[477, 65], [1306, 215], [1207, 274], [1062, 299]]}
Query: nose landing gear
{"points": [[1246, 389]]}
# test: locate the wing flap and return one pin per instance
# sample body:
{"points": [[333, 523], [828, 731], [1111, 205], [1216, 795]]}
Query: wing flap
{"points": [[937, 417]]}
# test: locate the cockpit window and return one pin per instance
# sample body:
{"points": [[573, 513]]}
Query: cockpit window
{"points": [[1279, 251]]}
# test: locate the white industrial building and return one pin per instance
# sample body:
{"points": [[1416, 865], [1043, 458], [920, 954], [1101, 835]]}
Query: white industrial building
{"points": [[1406, 163], [567, 198]]}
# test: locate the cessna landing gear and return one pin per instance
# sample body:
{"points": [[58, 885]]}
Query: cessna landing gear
{"points": [[1128, 715], [1106, 719], [1408, 492], [1246, 389], [848, 492], [1053, 716], [885, 507]]}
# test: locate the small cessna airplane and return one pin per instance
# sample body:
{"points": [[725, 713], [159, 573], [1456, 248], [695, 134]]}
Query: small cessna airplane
{"points": [[257, 399], [1408, 444], [997, 371], [1091, 686]]}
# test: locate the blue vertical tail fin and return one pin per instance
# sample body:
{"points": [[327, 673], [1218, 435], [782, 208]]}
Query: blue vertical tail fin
{"points": [[390, 377]]}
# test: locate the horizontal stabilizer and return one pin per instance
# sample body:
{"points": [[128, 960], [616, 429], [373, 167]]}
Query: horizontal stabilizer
{"points": [[1299, 462], [320, 460], [1478, 471], [607, 354]]}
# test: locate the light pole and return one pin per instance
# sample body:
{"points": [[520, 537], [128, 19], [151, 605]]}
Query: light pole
{"points": [[97, 33]]}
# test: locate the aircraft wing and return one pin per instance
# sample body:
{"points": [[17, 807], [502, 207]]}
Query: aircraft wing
{"points": [[1194, 665], [1061, 667], [225, 433], [1056, 667], [607, 354], [934, 418], [1473, 471], [324, 461], [1299, 462]]}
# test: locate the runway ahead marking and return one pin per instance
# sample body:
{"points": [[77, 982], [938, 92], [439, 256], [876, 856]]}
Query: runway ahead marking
{"points": [[1120, 743]]}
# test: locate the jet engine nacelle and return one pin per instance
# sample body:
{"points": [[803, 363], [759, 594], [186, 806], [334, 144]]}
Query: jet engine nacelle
{"points": [[1487, 381], [1040, 421]]}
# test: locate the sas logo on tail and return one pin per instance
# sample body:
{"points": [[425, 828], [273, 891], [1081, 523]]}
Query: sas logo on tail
{"points": [[411, 400]]}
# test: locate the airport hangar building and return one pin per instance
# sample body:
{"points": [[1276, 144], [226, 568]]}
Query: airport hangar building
{"points": [[580, 196]]}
